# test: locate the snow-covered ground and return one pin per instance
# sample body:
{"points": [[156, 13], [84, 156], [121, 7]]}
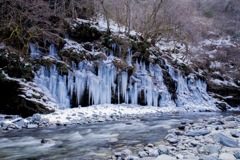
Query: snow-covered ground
{"points": [[93, 114], [110, 110]]}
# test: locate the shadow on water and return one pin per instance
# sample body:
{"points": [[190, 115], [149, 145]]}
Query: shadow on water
{"points": [[92, 141]]}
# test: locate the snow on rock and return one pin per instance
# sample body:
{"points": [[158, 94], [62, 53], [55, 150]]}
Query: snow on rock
{"points": [[101, 24], [73, 45], [32, 92], [223, 41], [225, 83]]}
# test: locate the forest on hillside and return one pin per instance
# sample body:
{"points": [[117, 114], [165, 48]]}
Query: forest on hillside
{"points": [[25, 21]]}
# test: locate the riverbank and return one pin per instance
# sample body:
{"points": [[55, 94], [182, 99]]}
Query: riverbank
{"points": [[216, 138], [93, 114]]}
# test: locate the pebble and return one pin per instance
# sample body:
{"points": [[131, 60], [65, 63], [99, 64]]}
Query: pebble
{"points": [[235, 134]]}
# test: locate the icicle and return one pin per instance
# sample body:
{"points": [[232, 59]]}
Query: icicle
{"points": [[114, 46], [129, 57], [62, 92], [133, 94], [34, 51], [53, 51], [124, 82], [70, 83], [80, 84]]}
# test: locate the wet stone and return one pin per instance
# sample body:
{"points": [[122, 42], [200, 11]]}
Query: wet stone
{"points": [[171, 138], [165, 157], [142, 154], [237, 155], [32, 126], [181, 127], [235, 134], [131, 158], [36, 117], [226, 141], [226, 156], [197, 133], [230, 125], [212, 148], [208, 157], [125, 153], [230, 118], [153, 153], [162, 149]]}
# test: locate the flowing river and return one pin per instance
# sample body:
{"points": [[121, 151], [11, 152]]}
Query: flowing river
{"points": [[92, 141]]}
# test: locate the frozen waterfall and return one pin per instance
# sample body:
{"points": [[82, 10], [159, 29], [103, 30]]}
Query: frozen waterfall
{"points": [[105, 84]]}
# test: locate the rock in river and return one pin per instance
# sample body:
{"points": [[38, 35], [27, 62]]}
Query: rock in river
{"points": [[226, 141], [197, 133], [235, 134]]}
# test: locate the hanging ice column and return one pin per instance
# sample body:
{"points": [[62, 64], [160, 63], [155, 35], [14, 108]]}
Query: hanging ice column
{"points": [[55, 83], [165, 96], [53, 51], [102, 87], [150, 81], [129, 57], [34, 51]]}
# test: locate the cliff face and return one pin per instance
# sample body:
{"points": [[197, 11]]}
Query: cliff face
{"points": [[95, 67]]}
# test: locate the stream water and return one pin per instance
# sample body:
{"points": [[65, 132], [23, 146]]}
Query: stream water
{"points": [[92, 141]]}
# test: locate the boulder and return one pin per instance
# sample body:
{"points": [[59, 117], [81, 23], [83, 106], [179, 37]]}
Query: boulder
{"points": [[226, 141]]}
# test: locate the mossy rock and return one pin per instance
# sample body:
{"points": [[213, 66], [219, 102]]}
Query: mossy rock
{"points": [[99, 56], [121, 65], [225, 91], [107, 41], [84, 33], [72, 56], [141, 47], [171, 84], [63, 69], [14, 67]]}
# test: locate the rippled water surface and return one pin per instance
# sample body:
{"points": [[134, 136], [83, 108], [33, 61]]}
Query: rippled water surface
{"points": [[89, 142]]}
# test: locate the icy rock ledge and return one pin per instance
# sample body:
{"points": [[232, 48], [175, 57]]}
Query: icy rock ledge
{"points": [[217, 144]]}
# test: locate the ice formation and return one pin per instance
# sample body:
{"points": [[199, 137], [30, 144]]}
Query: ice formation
{"points": [[105, 84], [34, 51]]}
